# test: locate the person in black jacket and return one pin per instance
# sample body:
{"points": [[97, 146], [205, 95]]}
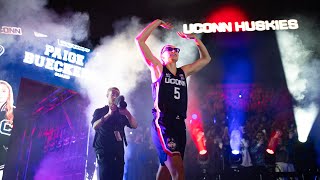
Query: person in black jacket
{"points": [[109, 122]]}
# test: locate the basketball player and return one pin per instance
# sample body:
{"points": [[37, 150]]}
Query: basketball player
{"points": [[169, 89]]}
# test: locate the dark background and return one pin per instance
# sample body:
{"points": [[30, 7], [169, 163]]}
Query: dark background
{"points": [[104, 13]]}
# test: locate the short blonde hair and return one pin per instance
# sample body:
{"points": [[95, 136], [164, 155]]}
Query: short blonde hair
{"points": [[111, 89]]}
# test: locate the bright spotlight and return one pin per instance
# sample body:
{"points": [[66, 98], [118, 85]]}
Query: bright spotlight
{"points": [[202, 152], [235, 139], [305, 118], [270, 151], [299, 67], [235, 152], [274, 141]]}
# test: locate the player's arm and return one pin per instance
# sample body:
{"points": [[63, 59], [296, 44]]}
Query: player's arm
{"points": [[200, 63], [140, 40]]}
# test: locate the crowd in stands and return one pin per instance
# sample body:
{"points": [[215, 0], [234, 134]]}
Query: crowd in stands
{"points": [[253, 117]]}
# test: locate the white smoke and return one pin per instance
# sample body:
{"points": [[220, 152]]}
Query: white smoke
{"points": [[32, 16], [117, 61], [301, 66]]}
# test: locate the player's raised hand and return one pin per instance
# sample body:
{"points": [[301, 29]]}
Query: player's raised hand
{"points": [[186, 36], [166, 25]]}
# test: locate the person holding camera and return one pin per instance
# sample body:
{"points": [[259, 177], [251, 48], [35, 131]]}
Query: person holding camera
{"points": [[108, 123]]}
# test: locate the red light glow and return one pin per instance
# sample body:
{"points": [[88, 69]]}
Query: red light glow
{"points": [[227, 14], [197, 134]]}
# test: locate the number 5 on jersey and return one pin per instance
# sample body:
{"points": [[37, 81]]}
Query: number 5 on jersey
{"points": [[176, 93]]}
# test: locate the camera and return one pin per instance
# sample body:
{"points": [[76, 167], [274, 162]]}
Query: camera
{"points": [[120, 102]]}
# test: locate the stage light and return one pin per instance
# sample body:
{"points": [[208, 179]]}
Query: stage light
{"points": [[196, 131], [202, 152], [235, 152], [203, 160], [235, 159], [305, 118], [274, 141], [203, 157], [270, 151], [235, 139], [299, 69]]}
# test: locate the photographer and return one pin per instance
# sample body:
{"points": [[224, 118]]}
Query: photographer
{"points": [[109, 122]]}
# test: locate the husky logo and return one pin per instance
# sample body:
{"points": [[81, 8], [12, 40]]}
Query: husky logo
{"points": [[1, 50], [171, 144], [168, 75]]}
